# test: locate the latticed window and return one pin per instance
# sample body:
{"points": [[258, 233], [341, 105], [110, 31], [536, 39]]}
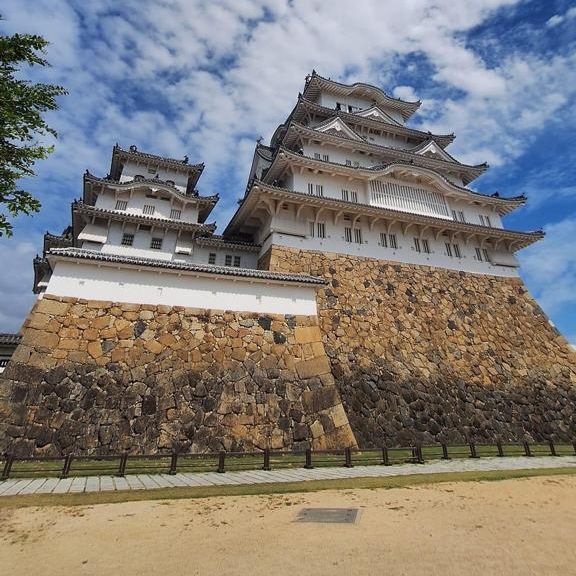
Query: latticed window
{"points": [[426, 246], [317, 155], [448, 249], [393, 241], [121, 204], [345, 195], [212, 258], [358, 235], [228, 260], [127, 239], [417, 244], [353, 195], [325, 157], [319, 190], [156, 243], [383, 240], [237, 261], [486, 255], [148, 209], [461, 216], [311, 229], [175, 214], [348, 234], [457, 251], [321, 229]]}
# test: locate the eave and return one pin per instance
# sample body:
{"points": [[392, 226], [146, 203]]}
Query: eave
{"points": [[203, 270], [296, 131], [305, 107], [85, 212], [316, 84], [271, 198], [221, 242], [285, 159]]}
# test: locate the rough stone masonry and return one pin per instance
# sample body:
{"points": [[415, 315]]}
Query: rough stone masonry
{"points": [[96, 377]]}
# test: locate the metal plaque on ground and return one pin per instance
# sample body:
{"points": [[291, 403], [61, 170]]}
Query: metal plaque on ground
{"points": [[328, 515]]}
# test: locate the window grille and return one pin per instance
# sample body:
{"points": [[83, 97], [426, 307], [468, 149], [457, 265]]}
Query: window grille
{"points": [[383, 240], [353, 195], [358, 235], [175, 214], [228, 260], [448, 249], [461, 216], [127, 239], [457, 251], [393, 241], [454, 215], [319, 190], [426, 246], [486, 256], [407, 198], [317, 155], [417, 244], [488, 223], [311, 229], [348, 234], [237, 261], [481, 220], [348, 162], [148, 209], [310, 188], [212, 258], [121, 204], [156, 243], [321, 229], [478, 254], [345, 195]]}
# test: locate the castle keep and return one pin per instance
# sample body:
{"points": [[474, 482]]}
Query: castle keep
{"points": [[361, 294]]}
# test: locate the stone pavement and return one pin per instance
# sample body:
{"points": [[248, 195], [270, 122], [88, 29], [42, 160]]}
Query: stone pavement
{"points": [[15, 486]]}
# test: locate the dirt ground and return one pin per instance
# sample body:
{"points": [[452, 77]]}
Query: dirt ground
{"points": [[523, 527]]}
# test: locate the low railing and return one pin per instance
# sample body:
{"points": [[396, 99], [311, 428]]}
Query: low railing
{"points": [[173, 463]]}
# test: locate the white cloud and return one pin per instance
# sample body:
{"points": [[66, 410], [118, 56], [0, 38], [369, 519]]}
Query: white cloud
{"points": [[549, 267], [557, 19]]}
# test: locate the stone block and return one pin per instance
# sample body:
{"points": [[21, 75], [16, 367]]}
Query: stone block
{"points": [[307, 334], [313, 367]]}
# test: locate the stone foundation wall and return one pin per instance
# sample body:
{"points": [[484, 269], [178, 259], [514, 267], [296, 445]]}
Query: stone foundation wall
{"points": [[421, 353], [96, 377]]}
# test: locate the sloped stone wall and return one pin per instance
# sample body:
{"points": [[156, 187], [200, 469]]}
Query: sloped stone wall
{"points": [[421, 353], [96, 377]]}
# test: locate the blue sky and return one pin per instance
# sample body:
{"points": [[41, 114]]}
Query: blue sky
{"points": [[206, 79]]}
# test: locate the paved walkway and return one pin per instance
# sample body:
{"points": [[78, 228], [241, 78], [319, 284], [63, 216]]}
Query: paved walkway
{"points": [[16, 486]]}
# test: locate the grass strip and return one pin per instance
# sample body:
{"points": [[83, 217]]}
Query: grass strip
{"points": [[92, 498]]}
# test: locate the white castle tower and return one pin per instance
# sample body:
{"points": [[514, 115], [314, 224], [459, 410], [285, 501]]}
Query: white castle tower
{"points": [[344, 174]]}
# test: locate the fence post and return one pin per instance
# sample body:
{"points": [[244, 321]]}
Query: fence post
{"points": [[500, 448], [266, 459], [308, 464], [552, 448], [385, 457], [419, 455], [445, 455], [7, 467], [221, 462], [122, 466], [473, 452], [66, 467], [348, 458], [527, 451], [173, 463]]}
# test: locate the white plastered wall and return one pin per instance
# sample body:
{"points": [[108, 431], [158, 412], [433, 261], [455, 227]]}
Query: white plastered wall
{"points": [[172, 288]]}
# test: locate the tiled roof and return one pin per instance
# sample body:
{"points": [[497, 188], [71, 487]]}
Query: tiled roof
{"points": [[192, 267], [180, 163], [10, 339], [220, 241]]}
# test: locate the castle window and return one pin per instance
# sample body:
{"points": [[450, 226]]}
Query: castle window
{"points": [[317, 155], [417, 244], [448, 249], [237, 261], [383, 240], [311, 229], [175, 214], [338, 106], [353, 195], [310, 188], [345, 194], [348, 234], [425, 246], [148, 209], [457, 251], [348, 162], [319, 190], [212, 258], [321, 229], [461, 216], [392, 241], [121, 204], [358, 235], [481, 218], [486, 256], [228, 260], [488, 223], [156, 243], [454, 215], [325, 157], [127, 239]]}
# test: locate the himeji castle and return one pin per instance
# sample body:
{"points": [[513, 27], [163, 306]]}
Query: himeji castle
{"points": [[362, 294]]}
